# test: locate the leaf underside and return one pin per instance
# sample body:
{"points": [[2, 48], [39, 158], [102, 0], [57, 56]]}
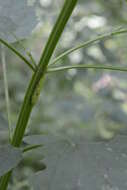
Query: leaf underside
{"points": [[9, 158], [77, 164]]}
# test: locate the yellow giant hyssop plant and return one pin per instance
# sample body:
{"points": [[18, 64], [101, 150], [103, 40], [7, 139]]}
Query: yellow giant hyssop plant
{"points": [[77, 156]]}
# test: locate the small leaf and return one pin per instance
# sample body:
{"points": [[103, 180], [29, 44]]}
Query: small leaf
{"points": [[76, 164], [9, 158]]}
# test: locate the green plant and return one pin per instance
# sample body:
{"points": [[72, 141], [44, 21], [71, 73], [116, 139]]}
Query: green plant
{"points": [[36, 82], [39, 73]]}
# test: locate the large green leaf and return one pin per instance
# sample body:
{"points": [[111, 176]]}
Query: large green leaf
{"points": [[16, 17], [9, 158], [76, 164]]}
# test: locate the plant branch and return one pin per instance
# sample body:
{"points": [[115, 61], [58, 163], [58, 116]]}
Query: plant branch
{"points": [[85, 66], [32, 59], [17, 53], [88, 43]]}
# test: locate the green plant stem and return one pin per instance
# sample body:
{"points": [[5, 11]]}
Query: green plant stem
{"points": [[32, 59], [3, 60], [17, 53], [40, 72], [4, 180], [89, 43], [85, 66]]}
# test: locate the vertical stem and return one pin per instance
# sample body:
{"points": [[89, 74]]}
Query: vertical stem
{"points": [[4, 180], [3, 59], [27, 105], [41, 70]]}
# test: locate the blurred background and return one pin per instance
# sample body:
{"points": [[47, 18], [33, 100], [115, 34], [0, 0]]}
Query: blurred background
{"points": [[89, 103]]}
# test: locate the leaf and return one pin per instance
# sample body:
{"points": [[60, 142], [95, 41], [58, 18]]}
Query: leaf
{"points": [[76, 164], [16, 17], [9, 158]]}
